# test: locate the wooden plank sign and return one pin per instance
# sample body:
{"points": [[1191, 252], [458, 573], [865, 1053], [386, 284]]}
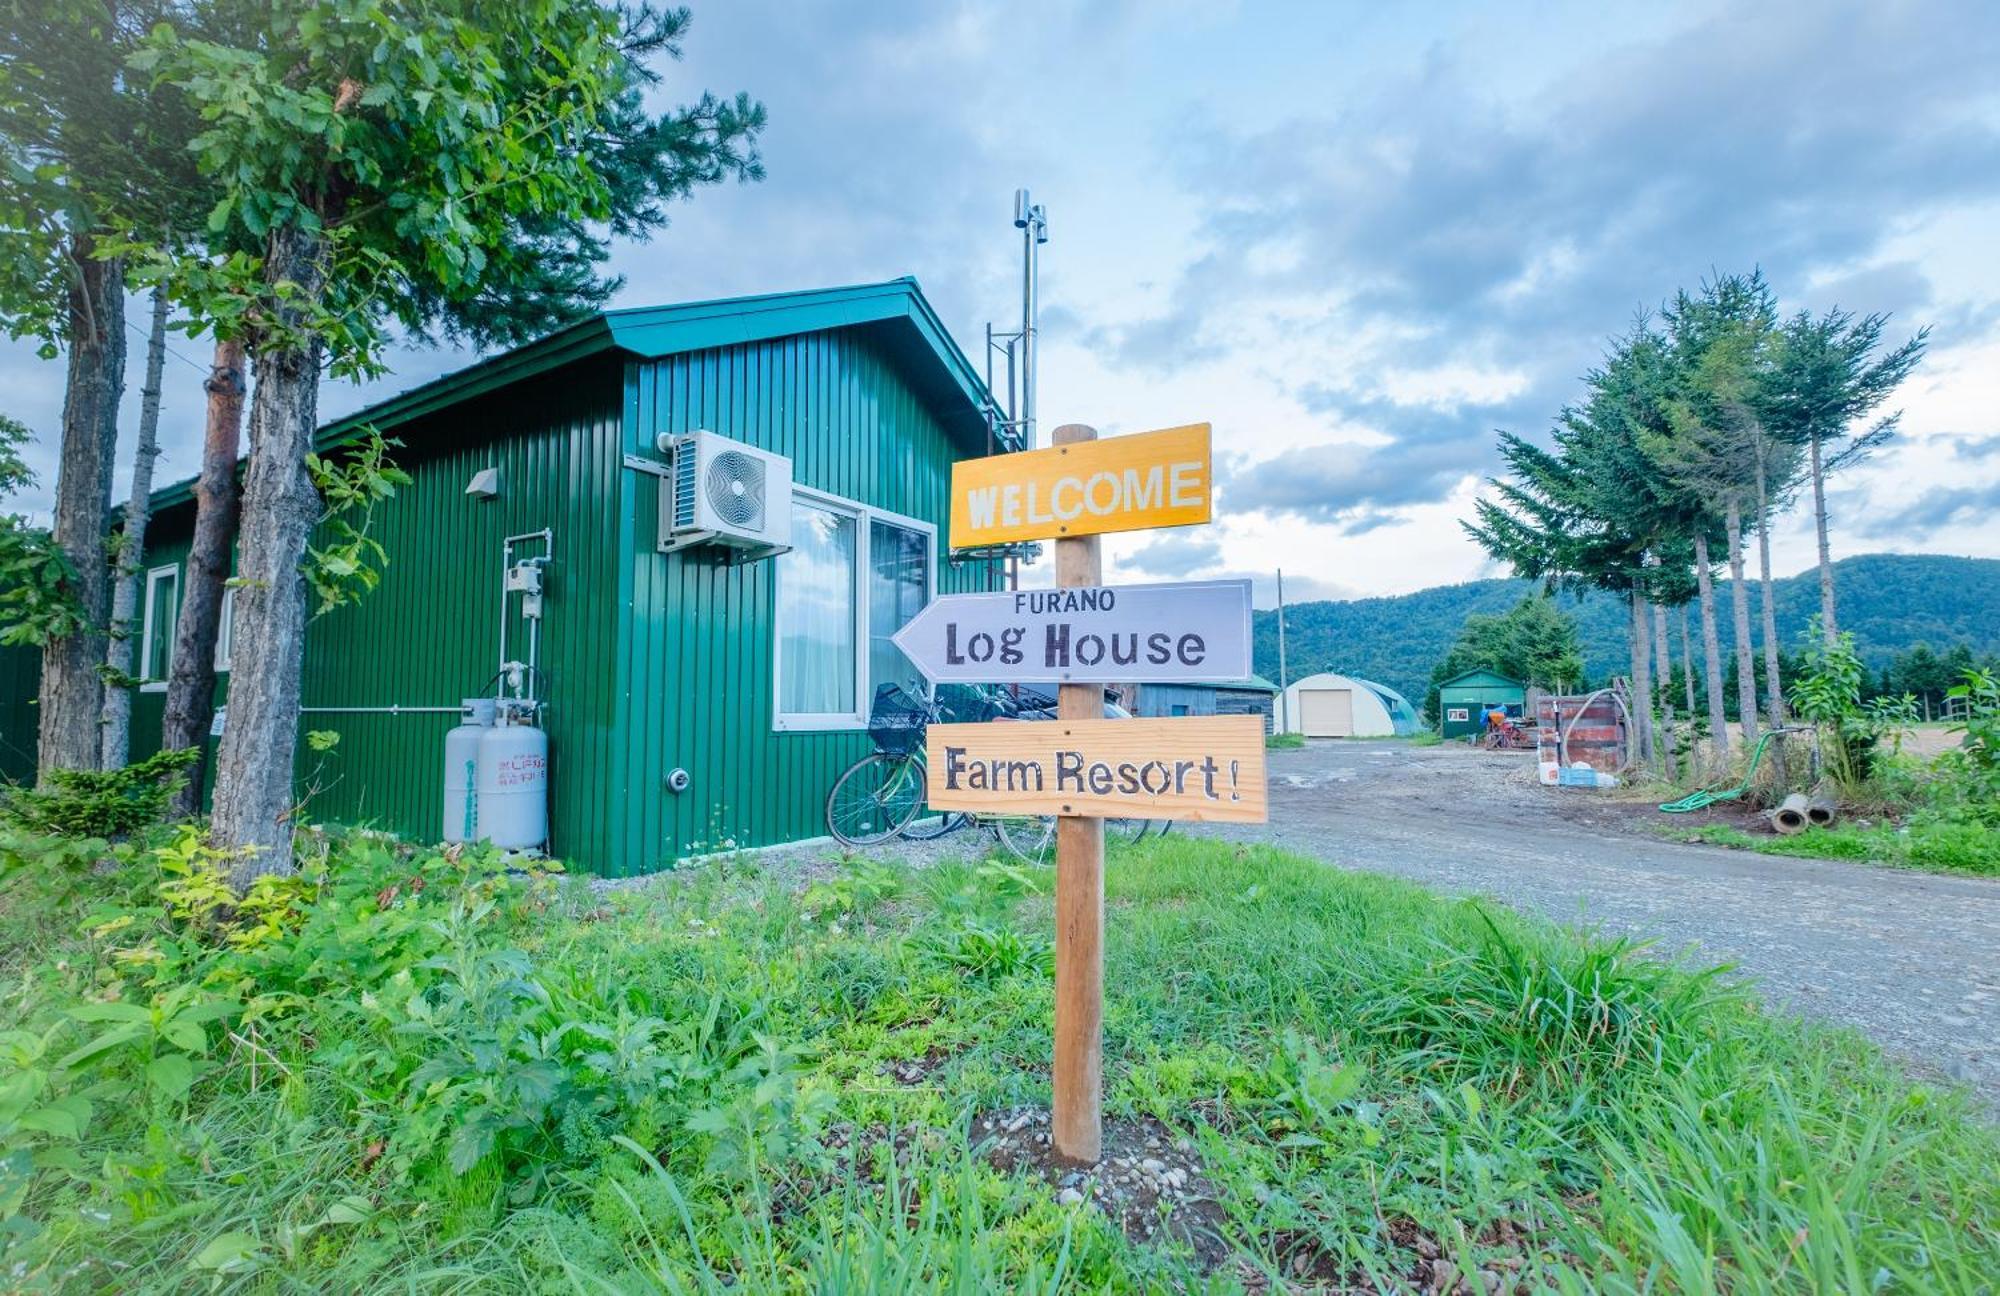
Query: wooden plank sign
{"points": [[1085, 487], [1184, 630], [1208, 768]]}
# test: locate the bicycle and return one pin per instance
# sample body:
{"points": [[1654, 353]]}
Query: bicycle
{"points": [[882, 796]]}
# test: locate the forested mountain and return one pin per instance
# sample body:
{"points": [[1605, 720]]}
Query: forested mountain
{"points": [[1889, 601]]}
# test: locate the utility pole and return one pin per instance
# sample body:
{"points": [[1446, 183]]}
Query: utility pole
{"points": [[1284, 710]]}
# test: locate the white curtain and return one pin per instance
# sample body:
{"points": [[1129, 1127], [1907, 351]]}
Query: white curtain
{"points": [[816, 592]]}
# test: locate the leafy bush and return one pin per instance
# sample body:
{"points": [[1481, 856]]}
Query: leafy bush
{"points": [[1970, 773], [103, 803], [412, 1070]]}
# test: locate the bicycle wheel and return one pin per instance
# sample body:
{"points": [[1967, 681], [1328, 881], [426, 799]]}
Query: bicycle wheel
{"points": [[923, 827], [1126, 831], [1028, 838], [872, 801]]}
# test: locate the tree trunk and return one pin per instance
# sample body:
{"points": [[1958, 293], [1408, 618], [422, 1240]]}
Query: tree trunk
{"points": [[1642, 684], [116, 745], [1665, 739], [1774, 685], [1828, 626], [191, 685], [1711, 647], [1739, 608], [72, 692], [1687, 660], [253, 768]]}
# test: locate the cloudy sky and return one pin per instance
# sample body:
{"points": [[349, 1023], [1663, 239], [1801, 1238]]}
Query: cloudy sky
{"points": [[1356, 238]]}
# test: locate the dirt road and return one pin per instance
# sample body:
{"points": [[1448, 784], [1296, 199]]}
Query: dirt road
{"points": [[1910, 959]]}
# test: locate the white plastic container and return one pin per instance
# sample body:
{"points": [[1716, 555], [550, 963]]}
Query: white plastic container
{"points": [[513, 782], [461, 763]]}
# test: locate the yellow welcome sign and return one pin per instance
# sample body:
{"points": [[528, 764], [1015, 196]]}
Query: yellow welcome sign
{"points": [[1127, 483]]}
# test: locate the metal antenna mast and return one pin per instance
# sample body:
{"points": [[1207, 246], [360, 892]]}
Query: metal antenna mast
{"points": [[1016, 349], [1033, 222], [1014, 428]]}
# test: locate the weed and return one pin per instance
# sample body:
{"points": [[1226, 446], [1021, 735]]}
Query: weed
{"points": [[417, 1071]]}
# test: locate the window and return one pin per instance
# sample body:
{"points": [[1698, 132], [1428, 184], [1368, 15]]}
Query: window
{"points": [[816, 599], [156, 632], [225, 629], [853, 578], [899, 584]]}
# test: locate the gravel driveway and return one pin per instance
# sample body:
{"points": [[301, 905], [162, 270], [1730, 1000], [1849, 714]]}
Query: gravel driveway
{"points": [[1910, 959]]}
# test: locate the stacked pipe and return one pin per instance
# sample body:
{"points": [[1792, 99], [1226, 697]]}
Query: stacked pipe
{"points": [[1798, 812]]}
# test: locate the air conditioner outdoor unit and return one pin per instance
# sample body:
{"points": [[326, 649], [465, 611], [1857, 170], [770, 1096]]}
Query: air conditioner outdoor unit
{"points": [[723, 492]]}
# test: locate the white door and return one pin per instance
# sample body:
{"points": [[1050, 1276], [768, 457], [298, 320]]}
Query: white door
{"points": [[1326, 713]]}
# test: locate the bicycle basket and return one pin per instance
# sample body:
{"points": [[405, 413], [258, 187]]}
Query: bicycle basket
{"points": [[897, 723]]}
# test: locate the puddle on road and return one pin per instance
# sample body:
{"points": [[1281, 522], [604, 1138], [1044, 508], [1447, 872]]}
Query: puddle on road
{"points": [[1316, 780]]}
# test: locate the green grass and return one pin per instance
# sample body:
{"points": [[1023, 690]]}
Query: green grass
{"points": [[1932, 846], [1359, 1063], [1285, 741], [1427, 738]]}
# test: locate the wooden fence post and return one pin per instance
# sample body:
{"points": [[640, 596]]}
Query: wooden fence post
{"points": [[1077, 1117]]}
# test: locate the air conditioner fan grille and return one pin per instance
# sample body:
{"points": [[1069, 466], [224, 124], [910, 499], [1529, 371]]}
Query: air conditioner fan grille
{"points": [[735, 486]]}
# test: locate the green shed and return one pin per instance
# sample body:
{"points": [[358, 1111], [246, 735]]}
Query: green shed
{"points": [[1464, 700], [749, 668]]}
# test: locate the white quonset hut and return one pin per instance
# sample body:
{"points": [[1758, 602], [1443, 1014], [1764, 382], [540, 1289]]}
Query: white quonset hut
{"points": [[1344, 706]]}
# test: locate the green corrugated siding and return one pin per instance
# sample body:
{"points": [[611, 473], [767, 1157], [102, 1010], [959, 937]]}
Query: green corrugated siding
{"points": [[20, 675], [696, 655], [653, 661], [167, 539], [429, 635]]}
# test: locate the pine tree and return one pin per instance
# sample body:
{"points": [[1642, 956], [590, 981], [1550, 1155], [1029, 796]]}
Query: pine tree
{"points": [[1706, 448], [1589, 513], [1825, 378]]}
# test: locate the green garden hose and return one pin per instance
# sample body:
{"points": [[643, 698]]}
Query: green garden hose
{"points": [[1707, 797]]}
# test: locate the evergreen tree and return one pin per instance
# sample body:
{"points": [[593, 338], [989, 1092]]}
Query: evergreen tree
{"points": [[1590, 512], [1826, 377], [395, 164], [1707, 449], [84, 150], [1534, 642]]}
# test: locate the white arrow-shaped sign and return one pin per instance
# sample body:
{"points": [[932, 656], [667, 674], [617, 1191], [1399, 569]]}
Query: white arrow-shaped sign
{"points": [[1116, 634]]}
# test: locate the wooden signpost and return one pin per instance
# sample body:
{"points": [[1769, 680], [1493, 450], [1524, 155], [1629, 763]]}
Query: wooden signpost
{"points": [[1083, 487], [1185, 630], [1207, 768], [1081, 766]]}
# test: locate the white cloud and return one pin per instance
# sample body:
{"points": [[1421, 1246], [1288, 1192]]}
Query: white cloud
{"points": [[1356, 249]]}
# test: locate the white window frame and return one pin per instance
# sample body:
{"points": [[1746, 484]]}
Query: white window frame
{"points": [[864, 688], [225, 630], [153, 577]]}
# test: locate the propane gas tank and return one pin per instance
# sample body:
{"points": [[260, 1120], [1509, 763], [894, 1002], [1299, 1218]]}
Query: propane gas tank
{"points": [[461, 763], [513, 781]]}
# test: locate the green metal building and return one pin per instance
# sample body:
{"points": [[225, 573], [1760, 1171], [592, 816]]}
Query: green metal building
{"points": [[752, 676], [1464, 700]]}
